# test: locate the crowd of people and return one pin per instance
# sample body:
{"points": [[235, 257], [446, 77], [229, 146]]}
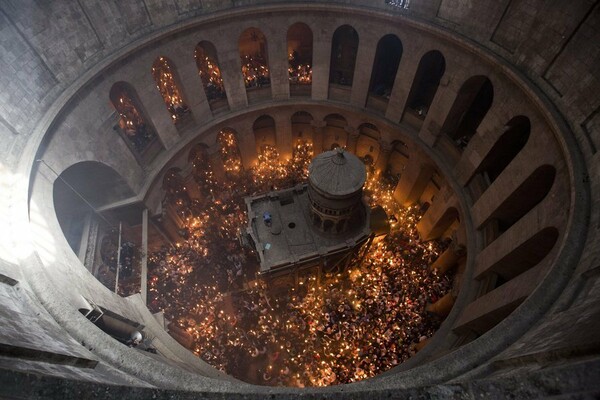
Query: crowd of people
{"points": [[332, 328]]}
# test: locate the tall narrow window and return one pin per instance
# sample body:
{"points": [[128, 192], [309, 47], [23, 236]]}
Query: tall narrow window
{"points": [[344, 48], [167, 82], [300, 49], [507, 147], [424, 87], [383, 75], [255, 63], [207, 62], [468, 110], [133, 125]]}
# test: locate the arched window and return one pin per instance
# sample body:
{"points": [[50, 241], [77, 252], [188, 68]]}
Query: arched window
{"points": [[506, 148], [383, 75], [468, 110], [344, 48], [134, 125], [230, 152], [524, 198], [255, 62], [302, 126], [424, 87], [99, 185], [367, 146], [300, 49], [334, 133], [207, 62], [265, 138], [167, 82], [524, 256]]}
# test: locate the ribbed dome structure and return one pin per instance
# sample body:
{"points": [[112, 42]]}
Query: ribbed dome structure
{"points": [[337, 173]]}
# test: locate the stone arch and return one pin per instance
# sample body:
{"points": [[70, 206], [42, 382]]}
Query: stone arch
{"points": [[507, 147], [207, 61], [385, 66], [524, 198], [425, 84], [300, 56], [254, 57], [302, 126], [524, 256], [344, 49], [470, 106], [265, 135], [134, 125], [81, 189]]}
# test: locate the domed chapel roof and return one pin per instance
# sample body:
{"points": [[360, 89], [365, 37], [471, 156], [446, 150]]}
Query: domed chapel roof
{"points": [[337, 172]]}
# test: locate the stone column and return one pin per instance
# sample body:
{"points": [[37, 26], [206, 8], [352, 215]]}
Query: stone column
{"points": [[283, 129], [247, 145], [449, 258], [367, 47], [402, 85], [442, 306], [353, 135], [384, 157], [441, 105], [321, 64], [144, 258], [318, 127], [231, 71], [156, 111], [413, 181], [278, 66], [440, 216], [191, 187], [191, 86]]}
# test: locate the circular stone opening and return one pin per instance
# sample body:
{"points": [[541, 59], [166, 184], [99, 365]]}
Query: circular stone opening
{"points": [[341, 321]]}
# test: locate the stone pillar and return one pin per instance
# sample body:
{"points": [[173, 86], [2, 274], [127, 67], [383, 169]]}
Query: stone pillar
{"points": [[402, 85], [367, 47], [89, 242], [144, 258], [156, 111], [191, 86], [413, 181], [283, 130], [440, 106], [231, 71], [353, 135], [191, 187], [442, 306], [449, 258], [321, 64], [278, 66], [318, 127], [384, 157], [217, 166], [440, 216], [247, 146]]}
